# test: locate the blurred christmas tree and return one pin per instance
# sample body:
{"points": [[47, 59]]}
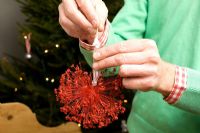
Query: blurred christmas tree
{"points": [[32, 81]]}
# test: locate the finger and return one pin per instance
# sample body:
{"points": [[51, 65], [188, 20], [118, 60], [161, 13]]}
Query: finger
{"points": [[72, 30], [72, 12], [121, 59], [138, 70], [136, 45], [102, 13], [69, 27], [140, 83], [87, 7]]}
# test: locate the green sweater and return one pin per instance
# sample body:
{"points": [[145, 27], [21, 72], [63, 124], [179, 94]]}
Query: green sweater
{"points": [[175, 26]]}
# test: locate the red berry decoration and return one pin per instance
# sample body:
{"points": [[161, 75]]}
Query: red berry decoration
{"points": [[91, 106]]}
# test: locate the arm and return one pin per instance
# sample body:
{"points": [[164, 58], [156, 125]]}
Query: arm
{"points": [[187, 95], [129, 23], [190, 98]]}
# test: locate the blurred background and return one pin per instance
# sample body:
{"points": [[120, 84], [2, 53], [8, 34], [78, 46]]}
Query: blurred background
{"points": [[34, 52], [9, 16]]}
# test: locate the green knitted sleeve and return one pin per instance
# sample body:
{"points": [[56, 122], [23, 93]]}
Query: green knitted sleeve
{"points": [[190, 99]]}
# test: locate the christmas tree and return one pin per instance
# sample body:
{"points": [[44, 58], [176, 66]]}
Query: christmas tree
{"points": [[49, 51]]}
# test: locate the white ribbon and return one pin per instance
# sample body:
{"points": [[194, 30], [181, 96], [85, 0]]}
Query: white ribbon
{"points": [[96, 74]]}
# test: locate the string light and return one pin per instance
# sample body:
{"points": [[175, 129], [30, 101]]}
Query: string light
{"points": [[47, 79], [25, 37], [28, 56], [16, 89], [57, 45], [46, 51], [20, 78], [52, 80], [79, 125], [125, 101]]}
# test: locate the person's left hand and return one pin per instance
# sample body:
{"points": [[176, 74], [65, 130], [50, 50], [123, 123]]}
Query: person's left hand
{"points": [[140, 65]]}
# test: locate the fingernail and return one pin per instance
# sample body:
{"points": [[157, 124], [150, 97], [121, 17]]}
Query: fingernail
{"points": [[96, 55]]}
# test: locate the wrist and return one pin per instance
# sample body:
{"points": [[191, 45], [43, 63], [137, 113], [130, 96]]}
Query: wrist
{"points": [[167, 79], [179, 86]]}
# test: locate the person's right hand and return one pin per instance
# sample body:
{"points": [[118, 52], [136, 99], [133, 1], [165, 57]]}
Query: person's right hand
{"points": [[81, 18]]}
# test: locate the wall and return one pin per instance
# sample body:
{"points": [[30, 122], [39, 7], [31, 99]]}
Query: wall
{"points": [[9, 16]]}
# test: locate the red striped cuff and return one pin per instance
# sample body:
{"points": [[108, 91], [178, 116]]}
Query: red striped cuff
{"points": [[102, 39], [179, 85]]}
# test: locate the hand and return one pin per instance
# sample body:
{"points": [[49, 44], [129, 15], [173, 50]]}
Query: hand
{"points": [[140, 65], [81, 18]]}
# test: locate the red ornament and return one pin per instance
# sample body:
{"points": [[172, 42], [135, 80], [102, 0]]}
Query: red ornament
{"points": [[92, 106], [28, 45]]}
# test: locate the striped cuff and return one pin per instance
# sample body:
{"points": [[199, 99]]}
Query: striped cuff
{"points": [[102, 39], [179, 85]]}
